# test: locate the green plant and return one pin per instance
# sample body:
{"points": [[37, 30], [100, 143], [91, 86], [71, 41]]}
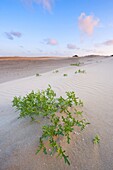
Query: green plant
{"points": [[96, 139], [56, 71], [65, 75], [75, 64], [37, 74], [80, 71], [62, 120]]}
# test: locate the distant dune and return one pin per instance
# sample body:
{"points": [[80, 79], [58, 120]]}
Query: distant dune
{"points": [[18, 67], [30, 58]]}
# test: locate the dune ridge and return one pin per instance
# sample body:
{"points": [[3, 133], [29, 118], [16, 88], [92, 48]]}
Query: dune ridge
{"points": [[12, 68]]}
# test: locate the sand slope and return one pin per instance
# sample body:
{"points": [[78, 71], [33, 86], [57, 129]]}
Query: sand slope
{"points": [[12, 68], [19, 138]]}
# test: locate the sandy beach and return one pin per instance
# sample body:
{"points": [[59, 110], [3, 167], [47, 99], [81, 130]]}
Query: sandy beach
{"points": [[19, 138], [12, 68]]}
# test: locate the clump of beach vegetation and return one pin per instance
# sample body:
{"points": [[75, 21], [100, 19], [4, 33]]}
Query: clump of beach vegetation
{"points": [[75, 64], [80, 71], [61, 117], [65, 75], [37, 74], [96, 139]]}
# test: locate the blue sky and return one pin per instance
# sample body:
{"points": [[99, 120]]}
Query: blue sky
{"points": [[56, 27]]}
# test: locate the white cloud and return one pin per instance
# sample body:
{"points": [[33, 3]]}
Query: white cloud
{"points": [[9, 36], [108, 43], [51, 41], [71, 46], [12, 34], [16, 34], [105, 43], [47, 4], [87, 23]]}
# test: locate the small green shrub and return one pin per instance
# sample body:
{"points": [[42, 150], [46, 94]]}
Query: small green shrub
{"points": [[62, 120], [96, 139], [75, 64], [80, 71], [37, 74], [65, 75]]}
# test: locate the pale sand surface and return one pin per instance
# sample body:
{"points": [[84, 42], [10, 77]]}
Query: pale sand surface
{"points": [[18, 67], [19, 137]]}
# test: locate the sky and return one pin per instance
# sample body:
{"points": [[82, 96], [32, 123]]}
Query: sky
{"points": [[56, 27]]}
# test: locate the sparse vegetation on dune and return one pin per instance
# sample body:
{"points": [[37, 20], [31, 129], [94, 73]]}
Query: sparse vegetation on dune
{"points": [[37, 74], [62, 120], [96, 139], [75, 64], [80, 71], [65, 75]]}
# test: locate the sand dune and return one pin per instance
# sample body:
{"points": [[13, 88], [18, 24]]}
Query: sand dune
{"points": [[19, 137], [19, 67]]}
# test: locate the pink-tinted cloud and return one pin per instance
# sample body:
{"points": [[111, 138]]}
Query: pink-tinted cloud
{"points": [[51, 41], [47, 4], [12, 34], [105, 43], [87, 23], [108, 43], [71, 46]]}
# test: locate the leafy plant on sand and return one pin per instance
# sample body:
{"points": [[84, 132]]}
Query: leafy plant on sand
{"points": [[80, 71], [75, 64], [62, 120], [64, 75], [96, 139], [37, 74]]}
